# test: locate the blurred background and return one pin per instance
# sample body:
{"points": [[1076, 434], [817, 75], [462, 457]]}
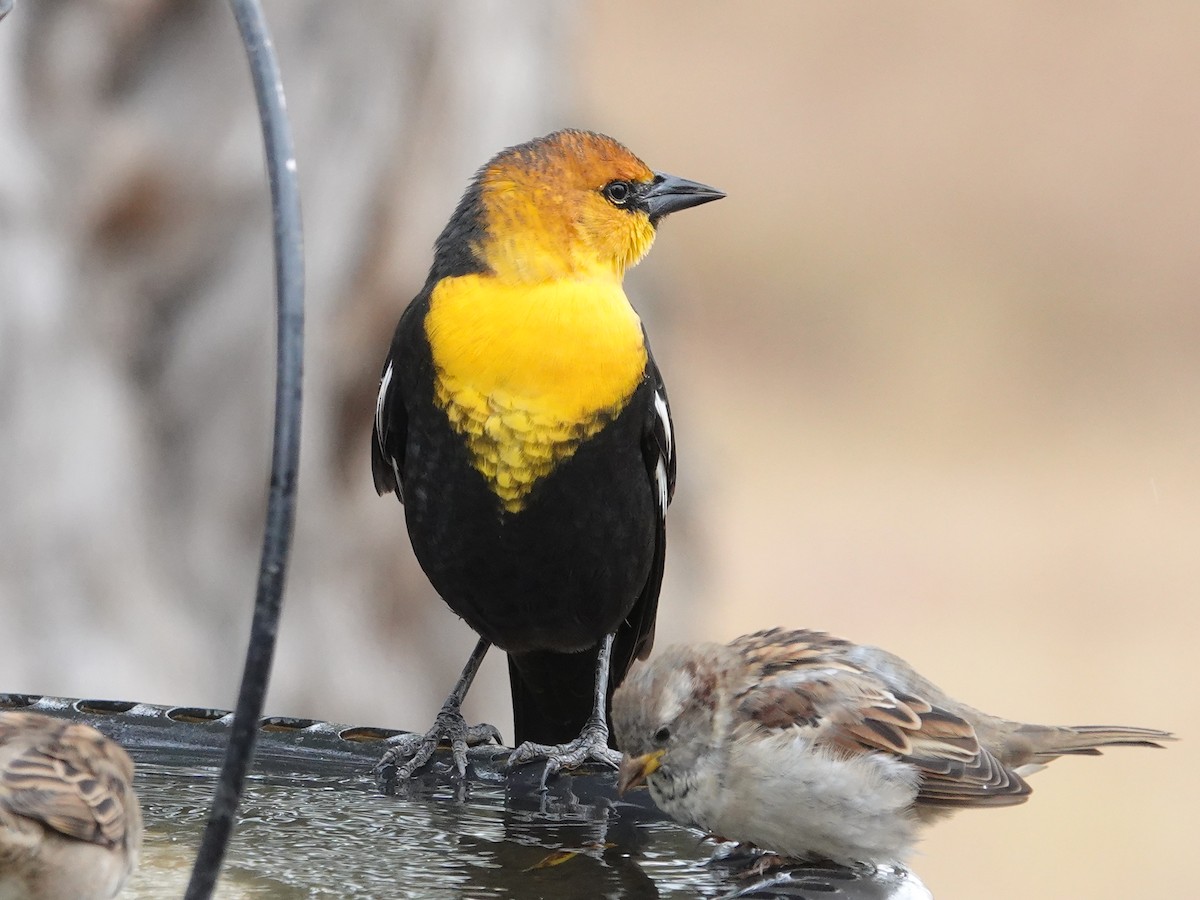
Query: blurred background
{"points": [[934, 362]]}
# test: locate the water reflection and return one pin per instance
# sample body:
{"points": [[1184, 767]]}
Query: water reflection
{"points": [[316, 836]]}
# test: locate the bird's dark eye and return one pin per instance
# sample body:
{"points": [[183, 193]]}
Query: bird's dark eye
{"points": [[618, 193], [662, 735]]}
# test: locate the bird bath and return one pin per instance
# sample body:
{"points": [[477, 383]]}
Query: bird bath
{"points": [[313, 823]]}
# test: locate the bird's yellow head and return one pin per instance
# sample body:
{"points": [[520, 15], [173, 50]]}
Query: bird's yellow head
{"points": [[570, 205], [535, 345]]}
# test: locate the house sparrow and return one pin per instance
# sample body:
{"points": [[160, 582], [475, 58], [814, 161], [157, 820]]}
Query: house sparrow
{"points": [[70, 824], [816, 748]]}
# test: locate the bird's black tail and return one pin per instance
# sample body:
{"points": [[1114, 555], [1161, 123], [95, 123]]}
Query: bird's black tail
{"points": [[552, 694]]}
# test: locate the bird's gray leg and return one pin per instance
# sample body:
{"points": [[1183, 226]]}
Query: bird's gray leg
{"points": [[592, 743], [449, 725]]}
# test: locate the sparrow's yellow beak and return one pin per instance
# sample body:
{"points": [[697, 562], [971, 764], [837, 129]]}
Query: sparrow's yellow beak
{"points": [[634, 770]]}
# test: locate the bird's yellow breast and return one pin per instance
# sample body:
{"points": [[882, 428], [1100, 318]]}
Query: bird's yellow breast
{"points": [[527, 372]]}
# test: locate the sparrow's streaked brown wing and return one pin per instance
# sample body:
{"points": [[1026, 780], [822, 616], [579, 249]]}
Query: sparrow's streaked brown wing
{"points": [[807, 679], [65, 776]]}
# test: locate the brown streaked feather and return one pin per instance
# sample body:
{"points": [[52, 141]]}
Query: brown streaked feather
{"points": [[985, 781], [777, 650], [805, 679], [919, 705], [65, 776], [778, 709]]}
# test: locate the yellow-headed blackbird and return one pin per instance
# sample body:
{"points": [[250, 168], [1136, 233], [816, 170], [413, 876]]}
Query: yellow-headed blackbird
{"points": [[523, 423]]}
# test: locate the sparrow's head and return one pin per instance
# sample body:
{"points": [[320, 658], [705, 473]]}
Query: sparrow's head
{"points": [[668, 715], [568, 205]]}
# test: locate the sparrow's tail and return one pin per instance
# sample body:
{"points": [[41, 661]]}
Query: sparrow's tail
{"points": [[1043, 743]]}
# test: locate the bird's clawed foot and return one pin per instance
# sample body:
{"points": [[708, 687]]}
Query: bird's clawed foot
{"points": [[418, 748], [765, 863], [591, 745]]}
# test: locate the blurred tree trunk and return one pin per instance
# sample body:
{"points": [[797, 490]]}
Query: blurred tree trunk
{"points": [[137, 332]]}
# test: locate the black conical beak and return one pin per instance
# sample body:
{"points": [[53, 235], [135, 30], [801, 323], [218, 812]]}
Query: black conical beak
{"points": [[667, 194]]}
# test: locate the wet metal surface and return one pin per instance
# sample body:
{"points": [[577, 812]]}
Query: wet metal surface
{"points": [[313, 824]]}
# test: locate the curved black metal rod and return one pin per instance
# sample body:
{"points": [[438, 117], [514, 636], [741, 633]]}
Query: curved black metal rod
{"points": [[285, 459]]}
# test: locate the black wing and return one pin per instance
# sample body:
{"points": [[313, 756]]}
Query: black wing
{"points": [[636, 637], [389, 436]]}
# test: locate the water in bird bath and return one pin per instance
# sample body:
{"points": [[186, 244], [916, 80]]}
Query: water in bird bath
{"points": [[314, 824], [328, 837]]}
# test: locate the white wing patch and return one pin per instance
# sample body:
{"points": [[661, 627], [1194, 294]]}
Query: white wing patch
{"points": [[381, 402], [660, 479], [660, 407], [380, 405]]}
